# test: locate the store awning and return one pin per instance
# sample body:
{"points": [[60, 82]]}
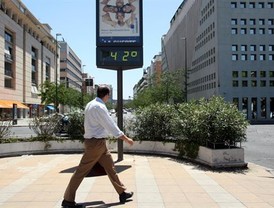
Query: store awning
{"points": [[9, 104]]}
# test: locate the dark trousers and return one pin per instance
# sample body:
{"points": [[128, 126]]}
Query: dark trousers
{"points": [[95, 151]]}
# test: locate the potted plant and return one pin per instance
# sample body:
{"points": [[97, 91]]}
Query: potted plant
{"points": [[217, 127]]}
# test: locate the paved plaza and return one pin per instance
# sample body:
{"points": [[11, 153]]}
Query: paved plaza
{"points": [[160, 182]]}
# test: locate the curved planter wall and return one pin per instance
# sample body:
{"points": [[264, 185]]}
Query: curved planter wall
{"points": [[216, 158]]}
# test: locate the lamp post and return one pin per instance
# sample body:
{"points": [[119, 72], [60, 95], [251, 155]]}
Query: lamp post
{"points": [[185, 74], [56, 73]]}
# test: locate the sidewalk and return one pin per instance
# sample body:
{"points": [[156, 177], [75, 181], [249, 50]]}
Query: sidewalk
{"points": [[158, 182]]}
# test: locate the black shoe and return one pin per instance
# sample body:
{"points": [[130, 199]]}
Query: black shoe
{"points": [[68, 204], [124, 196]]}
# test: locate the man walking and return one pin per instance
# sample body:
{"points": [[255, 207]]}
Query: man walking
{"points": [[98, 124]]}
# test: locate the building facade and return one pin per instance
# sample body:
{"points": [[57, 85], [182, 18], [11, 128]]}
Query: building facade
{"points": [[226, 48], [27, 59]]}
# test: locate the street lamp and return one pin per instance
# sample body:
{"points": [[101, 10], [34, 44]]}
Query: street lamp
{"points": [[185, 74], [56, 72]]}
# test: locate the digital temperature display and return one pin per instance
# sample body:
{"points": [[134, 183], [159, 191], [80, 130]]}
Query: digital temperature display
{"points": [[119, 57]]}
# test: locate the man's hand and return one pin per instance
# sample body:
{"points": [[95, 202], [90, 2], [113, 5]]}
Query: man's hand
{"points": [[127, 139]]}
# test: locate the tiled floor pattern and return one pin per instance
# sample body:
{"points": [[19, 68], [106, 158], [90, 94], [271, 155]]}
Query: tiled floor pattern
{"points": [[158, 182]]}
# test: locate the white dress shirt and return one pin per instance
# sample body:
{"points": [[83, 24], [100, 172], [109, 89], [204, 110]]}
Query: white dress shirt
{"points": [[98, 123]]}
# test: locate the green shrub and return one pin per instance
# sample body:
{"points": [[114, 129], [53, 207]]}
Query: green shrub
{"points": [[75, 128], [156, 122], [5, 128]]}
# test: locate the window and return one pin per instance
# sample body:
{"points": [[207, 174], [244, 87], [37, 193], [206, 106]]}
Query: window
{"points": [[252, 22], [270, 31], [262, 73], [270, 5], [262, 47], [243, 57], [243, 21], [270, 22], [242, 5], [253, 74], [233, 5], [271, 83], [244, 74], [243, 31], [271, 57], [244, 83], [270, 47], [261, 21], [234, 57], [261, 31], [252, 31], [234, 48], [262, 83], [262, 57], [252, 5], [252, 47], [243, 47], [253, 57], [253, 83], [261, 5], [235, 83], [233, 21], [235, 74], [234, 31], [271, 74]]}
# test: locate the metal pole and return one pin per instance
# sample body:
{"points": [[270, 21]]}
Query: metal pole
{"points": [[185, 68], [120, 110], [56, 73]]}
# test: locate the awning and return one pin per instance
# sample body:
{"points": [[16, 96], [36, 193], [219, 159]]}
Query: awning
{"points": [[50, 107], [9, 104]]}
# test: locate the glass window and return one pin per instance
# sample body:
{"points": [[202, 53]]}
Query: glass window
{"points": [[262, 73], [270, 31], [233, 21], [261, 5], [271, 83], [270, 47], [236, 102], [244, 83], [252, 5], [262, 57], [243, 57], [270, 5], [261, 31], [242, 5], [270, 22], [234, 31], [253, 57], [233, 5], [253, 74], [271, 73], [234, 57], [252, 21], [244, 73], [252, 31], [235, 74], [261, 21], [234, 48], [262, 47], [271, 57], [243, 31], [243, 21], [253, 83], [252, 47], [243, 47], [235, 83], [262, 83]]}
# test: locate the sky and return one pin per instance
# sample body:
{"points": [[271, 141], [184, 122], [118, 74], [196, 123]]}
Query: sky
{"points": [[76, 21]]}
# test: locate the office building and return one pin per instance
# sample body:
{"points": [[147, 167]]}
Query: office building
{"points": [[226, 48], [27, 58]]}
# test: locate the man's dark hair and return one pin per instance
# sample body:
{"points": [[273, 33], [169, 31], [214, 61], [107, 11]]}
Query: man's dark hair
{"points": [[102, 91]]}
